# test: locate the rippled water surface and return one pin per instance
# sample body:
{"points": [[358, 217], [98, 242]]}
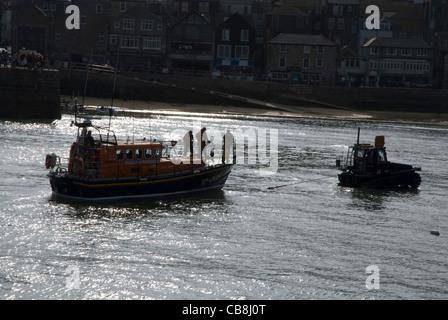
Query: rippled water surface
{"points": [[293, 234]]}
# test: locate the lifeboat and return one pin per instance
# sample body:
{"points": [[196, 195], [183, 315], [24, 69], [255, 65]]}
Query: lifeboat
{"points": [[367, 166], [102, 167]]}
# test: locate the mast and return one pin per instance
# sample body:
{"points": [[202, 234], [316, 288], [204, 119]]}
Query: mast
{"points": [[113, 95], [87, 77]]}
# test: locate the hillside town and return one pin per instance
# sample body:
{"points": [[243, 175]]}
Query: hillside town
{"points": [[292, 41]]}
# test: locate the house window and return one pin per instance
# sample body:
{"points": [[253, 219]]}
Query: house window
{"points": [[152, 43], [53, 7], [319, 63], [338, 10], [283, 48], [331, 23], [422, 52], [354, 26], [282, 62], [203, 6], [184, 7], [385, 26], [146, 25], [306, 63], [306, 49], [129, 24], [225, 35], [406, 51], [391, 51], [244, 35], [159, 26], [117, 24], [352, 63], [300, 22], [130, 42], [99, 8], [101, 37], [242, 52], [57, 36], [192, 32], [320, 49], [224, 51], [373, 64], [122, 6], [374, 50], [113, 39], [341, 24]]}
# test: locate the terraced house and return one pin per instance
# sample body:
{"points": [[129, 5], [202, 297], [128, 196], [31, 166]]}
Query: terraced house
{"points": [[137, 35], [301, 58], [398, 62]]}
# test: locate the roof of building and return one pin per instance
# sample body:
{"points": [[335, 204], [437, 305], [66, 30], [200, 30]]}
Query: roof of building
{"points": [[397, 43], [347, 52], [304, 39]]}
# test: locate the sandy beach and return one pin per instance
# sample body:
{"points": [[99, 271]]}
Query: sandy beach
{"points": [[271, 110]]}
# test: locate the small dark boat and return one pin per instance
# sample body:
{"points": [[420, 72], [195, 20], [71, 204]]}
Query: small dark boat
{"points": [[366, 166]]}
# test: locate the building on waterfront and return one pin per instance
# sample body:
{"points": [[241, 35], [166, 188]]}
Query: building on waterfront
{"points": [[343, 19], [438, 24], [301, 17], [191, 45], [351, 69], [301, 58], [397, 62], [235, 47], [31, 30], [138, 36], [89, 43], [183, 34]]}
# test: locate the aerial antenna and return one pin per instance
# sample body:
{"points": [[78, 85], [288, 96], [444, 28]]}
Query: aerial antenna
{"points": [[87, 77], [113, 95]]}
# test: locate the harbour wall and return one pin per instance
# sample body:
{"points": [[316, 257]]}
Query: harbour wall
{"points": [[201, 90], [29, 94]]}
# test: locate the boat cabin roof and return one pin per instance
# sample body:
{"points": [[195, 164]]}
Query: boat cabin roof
{"points": [[363, 146]]}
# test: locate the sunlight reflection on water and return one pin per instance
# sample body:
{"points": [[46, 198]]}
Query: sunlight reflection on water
{"points": [[306, 238]]}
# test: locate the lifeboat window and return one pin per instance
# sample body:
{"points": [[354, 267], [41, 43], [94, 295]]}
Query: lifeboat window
{"points": [[157, 153], [148, 153], [138, 154], [129, 154], [381, 156], [359, 153], [119, 154]]}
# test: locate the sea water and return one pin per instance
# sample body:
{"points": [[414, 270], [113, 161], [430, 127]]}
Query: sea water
{"points": [[290, 234]]}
